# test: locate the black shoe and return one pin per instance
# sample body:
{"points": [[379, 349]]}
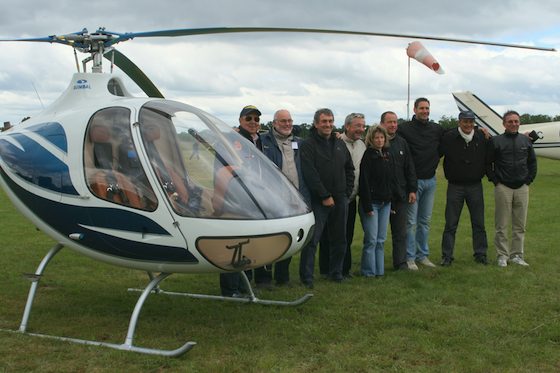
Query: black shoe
{"points": [[284, 284], [446, 262], [481, 259], [308, 285], [338, 278], [347, 276]]}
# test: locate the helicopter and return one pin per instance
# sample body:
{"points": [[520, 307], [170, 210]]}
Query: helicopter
{"points": [[108, 175]]}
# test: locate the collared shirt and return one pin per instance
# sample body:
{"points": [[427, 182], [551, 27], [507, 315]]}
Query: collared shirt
{"points": [[356, 149]]}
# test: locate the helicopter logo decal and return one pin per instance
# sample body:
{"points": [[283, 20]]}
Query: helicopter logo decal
{"points": [[82, 84]]}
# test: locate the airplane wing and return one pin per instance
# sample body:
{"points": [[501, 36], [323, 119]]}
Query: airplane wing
{"points": [[486, 117]]}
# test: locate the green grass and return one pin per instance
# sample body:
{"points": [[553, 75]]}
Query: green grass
{"points": [[465, 318]]}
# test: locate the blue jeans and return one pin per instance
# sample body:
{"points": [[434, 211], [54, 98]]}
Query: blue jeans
{"points": [[419, 217], [375, 233]]}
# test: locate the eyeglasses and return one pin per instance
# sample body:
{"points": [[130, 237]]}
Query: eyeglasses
{"points": [[249, 118], [356, 115], [285, 121]]}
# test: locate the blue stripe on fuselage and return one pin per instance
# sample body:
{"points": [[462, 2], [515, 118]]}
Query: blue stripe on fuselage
{"points": [[66, 219]]}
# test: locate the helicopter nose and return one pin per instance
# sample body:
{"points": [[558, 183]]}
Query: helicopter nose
{"points": [[244, 252]]}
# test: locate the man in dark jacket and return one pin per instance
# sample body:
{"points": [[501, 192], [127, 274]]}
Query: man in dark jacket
{"points": [[465, 152], [231, 283], [423, 137], [513, 168], [328, 172], [282, 147], [406, 185]]}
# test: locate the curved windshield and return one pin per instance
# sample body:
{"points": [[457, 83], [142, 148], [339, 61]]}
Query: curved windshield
{"points": [[209, 170]]}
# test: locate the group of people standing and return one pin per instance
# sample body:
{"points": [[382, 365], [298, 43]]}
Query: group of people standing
{"points": [[389, 177]]}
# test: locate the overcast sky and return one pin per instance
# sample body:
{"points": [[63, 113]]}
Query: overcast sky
{"points": [[299, 72]]}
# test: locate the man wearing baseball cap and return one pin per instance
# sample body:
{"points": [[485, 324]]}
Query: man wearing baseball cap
{"points": [[231, 283], [249, 124], [465, 151]]}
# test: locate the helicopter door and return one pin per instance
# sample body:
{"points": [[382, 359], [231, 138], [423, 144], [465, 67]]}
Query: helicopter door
{"points": [[127, 216]]}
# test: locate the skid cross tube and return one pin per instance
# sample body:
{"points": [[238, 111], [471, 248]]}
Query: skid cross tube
{"points": [[128, 344], [250, 298]]}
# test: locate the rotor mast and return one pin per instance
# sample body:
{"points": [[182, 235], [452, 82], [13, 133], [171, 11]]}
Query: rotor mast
{"points": [[94, 44]]}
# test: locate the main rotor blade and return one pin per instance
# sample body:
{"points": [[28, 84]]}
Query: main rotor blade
{"points": [[134, 72], [68, 39], [228, 30]]}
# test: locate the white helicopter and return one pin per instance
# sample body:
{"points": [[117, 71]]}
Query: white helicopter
{"points": [[109, 175], [546, 136]]}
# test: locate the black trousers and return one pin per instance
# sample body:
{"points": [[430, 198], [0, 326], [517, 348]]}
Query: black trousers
{"points": [[282, 271], [330, 221], [324, 244], [457, 195], [398, 233]]}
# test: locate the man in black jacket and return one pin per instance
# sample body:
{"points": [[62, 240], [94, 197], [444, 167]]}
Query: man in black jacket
{"points": [[423, 138], [231, 284], [328, 172], [514, 167], [406, 185], [465, 152]]}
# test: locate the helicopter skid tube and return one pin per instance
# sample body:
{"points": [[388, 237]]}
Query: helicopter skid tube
{"points": [[250, 298], [128, 344], [123, 347]]}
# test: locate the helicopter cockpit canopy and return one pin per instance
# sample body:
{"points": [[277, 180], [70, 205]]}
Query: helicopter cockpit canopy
{"points": [[208, 170]]}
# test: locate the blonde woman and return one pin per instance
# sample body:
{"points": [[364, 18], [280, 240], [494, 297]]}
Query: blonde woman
{"points": [[376, 192]]}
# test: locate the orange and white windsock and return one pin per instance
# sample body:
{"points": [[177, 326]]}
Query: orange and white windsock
{"points": [[417, 51]]}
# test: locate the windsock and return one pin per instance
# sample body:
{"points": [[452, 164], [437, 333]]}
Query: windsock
{"points": [[417, 51]]}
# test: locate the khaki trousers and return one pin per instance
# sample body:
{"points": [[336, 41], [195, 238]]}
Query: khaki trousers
{"points": [[511, 208]]}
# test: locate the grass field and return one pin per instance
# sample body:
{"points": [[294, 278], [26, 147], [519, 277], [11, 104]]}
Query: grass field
{"points": [[465, 318]]}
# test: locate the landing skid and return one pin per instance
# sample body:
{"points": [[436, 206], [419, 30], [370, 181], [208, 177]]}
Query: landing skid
{"points": [[152, 287]]}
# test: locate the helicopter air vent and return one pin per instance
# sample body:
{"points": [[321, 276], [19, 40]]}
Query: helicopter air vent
{"points": [[115, 87]]}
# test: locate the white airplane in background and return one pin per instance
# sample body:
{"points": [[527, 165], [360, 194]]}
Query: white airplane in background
{"points": [[547, 135]]}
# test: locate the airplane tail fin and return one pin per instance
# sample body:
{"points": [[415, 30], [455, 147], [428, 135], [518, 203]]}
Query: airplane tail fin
{"points": [[485, 116]]}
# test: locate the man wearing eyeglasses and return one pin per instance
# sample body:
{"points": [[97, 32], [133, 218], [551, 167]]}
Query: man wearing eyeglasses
{"points": [[354, 128], [282, 147], [328, 172]]}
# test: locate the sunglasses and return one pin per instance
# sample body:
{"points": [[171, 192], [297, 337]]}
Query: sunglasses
{"points": [[249, 118]]}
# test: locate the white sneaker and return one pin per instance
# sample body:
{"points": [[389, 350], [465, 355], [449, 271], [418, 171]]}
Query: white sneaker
{"points": [[502, 261], [411, 265], [518, 260], [426, 262]]}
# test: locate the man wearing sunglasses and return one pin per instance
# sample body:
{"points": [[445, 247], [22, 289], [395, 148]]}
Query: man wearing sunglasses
{"points": [[249, 125], [231, 283]]}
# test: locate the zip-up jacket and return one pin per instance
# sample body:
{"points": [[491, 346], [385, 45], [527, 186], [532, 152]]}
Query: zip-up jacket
{"points": [[513, 160], [405, 174], [423, 140], [464, 163], [327, 166], [376, 178]]}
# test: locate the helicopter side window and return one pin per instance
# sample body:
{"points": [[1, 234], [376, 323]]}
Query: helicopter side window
{"points": [[112, 168], [163, 151]]}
